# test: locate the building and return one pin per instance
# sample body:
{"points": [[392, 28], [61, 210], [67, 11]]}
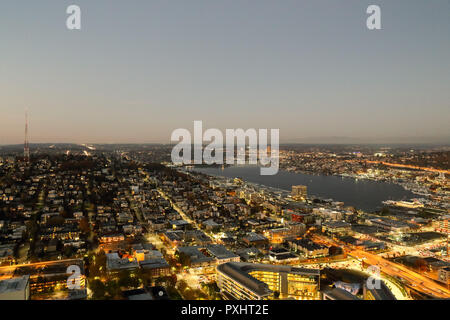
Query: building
{"points": [[247, 281], [299, 192], [112, 238], [15, 288], [174, 238], [280, 235], [254, 239], [281, 255], [222, 254], [157, 267], [179, 224], [444, 275], [6, 252], [328, 214], [249, 254], [211, 225], [337, 294], [306, 218], [115, 263], [337, 227], [442, 225], [151, 261], [391, 225], [197, 256], [406, 204], [309, 248]]}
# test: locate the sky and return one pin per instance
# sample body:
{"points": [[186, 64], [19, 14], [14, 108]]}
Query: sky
{"points": [[139, 69]]}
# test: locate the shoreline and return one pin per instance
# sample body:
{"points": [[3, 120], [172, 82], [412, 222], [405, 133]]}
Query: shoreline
{"points": [[312, 196]]}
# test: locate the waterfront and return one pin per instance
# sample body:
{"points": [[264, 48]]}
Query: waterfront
{"points": [[361, 194]]}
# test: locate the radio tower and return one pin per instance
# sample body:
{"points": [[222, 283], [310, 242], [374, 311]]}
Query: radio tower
{"points": [[26, 147]]}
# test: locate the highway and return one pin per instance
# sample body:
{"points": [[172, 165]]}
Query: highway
{"points": [[411, 278], [406, 166]]}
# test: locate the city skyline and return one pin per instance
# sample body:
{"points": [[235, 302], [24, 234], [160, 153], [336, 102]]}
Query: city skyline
{"points": [[124, 223], [133, 74], [253, 156], [442, 141]]}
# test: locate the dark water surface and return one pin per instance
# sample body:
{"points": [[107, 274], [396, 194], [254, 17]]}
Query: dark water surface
{"points": [[362, 194]]}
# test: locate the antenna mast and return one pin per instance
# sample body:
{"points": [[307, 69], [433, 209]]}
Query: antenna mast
{"points": [[26, 146]]}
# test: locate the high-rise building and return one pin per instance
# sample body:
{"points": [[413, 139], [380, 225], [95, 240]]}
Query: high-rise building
{"points": [[299, 192]]}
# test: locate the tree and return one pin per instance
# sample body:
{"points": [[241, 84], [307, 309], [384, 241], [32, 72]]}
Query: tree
{"points": [[385, 211], [182, 285], [97, 264], [68, 251], [184, 259], [160, 281], [144, 276], [172, 280], [127, 280], [98, 289], [212, 290], [84, 225], [113, 289], [56, 221], [194, 294]]}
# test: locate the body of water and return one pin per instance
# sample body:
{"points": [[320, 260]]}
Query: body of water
{"points": [[361, 194]]}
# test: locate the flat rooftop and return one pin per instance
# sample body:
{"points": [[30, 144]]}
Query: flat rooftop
{"points": [[14, 284], [220, 251]]}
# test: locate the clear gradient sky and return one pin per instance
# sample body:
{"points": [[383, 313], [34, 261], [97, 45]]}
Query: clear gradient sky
{"points": [[139, 69]]}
